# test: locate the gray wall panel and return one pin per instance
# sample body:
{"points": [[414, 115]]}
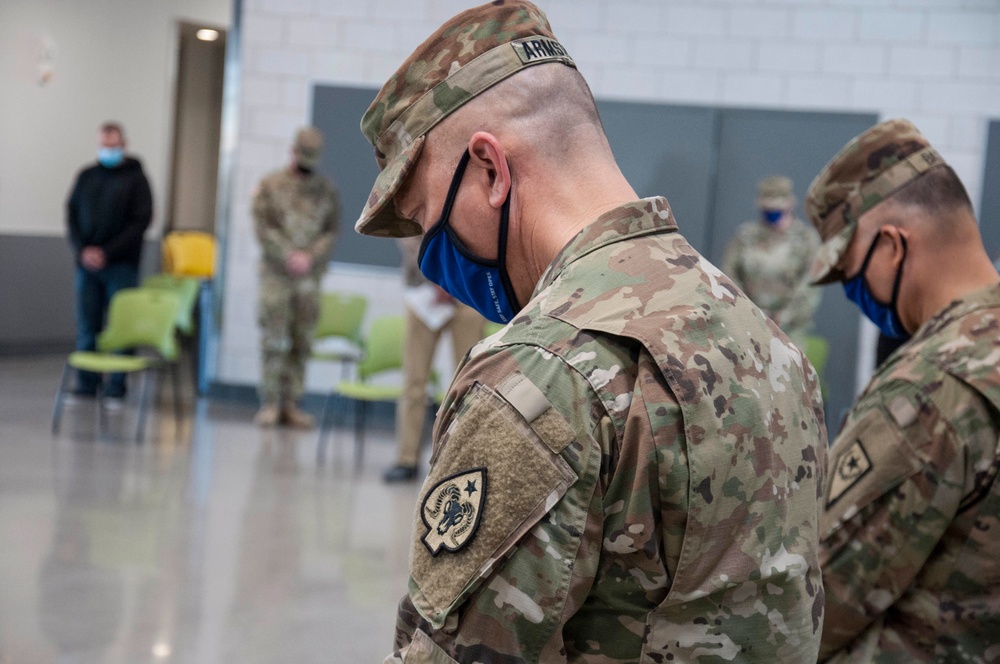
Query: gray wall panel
{"points": [[706, 161], [667, 151], [754, 144], [36, 292], [989, 207], [350, 162]]}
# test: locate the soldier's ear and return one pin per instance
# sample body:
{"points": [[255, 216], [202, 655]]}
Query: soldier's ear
{"points": [[487, 153], [897, 236]]}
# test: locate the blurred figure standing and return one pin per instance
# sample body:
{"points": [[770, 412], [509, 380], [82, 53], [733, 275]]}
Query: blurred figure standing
{"points": [[769, 260], [296, 216], [107, 214], [422, 336]]}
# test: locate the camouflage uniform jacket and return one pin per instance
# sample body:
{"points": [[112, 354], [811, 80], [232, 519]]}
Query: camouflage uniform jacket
{"points": [[628, 472], [911, 549], [772, 267], [294, 213]]}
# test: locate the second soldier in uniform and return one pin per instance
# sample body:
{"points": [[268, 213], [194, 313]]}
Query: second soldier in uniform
{"points": [[296, 216], [911, 532], [769, 259]]}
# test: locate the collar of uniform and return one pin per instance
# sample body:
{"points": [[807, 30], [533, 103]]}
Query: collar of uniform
{"points": [[641, 217], [982, 298]]}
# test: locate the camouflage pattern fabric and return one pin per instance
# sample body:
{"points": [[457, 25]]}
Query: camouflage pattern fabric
{"points": [[291, 213], [772, 267], [866, 171], [910, 552], [633, 468]]}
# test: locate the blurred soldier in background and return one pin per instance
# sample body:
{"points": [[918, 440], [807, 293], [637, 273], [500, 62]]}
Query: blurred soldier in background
{"points": [[630, 469], [422, 336], [296, 216], [107, 215], [769, 260], [911, 532]]}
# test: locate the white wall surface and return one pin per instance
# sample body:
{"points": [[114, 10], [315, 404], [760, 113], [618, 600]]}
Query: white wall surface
{"points": [[936, 62], [110, 60]]}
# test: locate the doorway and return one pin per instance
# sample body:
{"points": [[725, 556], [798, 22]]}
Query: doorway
{"points": [[201, 59]]}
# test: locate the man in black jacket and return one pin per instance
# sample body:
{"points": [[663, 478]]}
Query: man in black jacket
{"points": [[107, 214]]}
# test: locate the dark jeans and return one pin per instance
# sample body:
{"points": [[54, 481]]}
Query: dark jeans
{"points": [[93, 294]]}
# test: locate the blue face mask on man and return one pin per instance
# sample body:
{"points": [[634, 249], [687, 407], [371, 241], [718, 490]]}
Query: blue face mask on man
{"points": [[477, 282], [772, 217], [110, 157], [885, 316]]}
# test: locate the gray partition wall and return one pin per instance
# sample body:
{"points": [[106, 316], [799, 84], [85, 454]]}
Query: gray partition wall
{"points": [[754, 144], [349, 160], [989, 207], [706, 161]]}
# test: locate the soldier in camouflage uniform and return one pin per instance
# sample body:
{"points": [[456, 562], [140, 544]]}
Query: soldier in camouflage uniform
{"points": [[911, 548], [296, 215], [769, 260], [630, 469]]}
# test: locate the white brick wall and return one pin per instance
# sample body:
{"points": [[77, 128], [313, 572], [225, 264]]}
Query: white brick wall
{"points": [[934, 61]]}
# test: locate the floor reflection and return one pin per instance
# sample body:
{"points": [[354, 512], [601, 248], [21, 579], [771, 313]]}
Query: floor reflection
{"points": [[211, 541]]}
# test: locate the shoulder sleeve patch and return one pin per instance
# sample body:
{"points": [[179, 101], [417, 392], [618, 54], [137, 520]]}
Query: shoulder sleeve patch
{"points": [[462, 530], [869, 459], [851, 467]]}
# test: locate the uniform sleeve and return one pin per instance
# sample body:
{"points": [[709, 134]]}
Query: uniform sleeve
{"points": [[138, 218], [322, 248], [894, 487], [274, 243], [507, 521]]}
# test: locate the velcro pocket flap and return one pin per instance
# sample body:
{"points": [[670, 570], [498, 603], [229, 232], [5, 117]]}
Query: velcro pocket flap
{"points": [[423, 650], [492, 480]]}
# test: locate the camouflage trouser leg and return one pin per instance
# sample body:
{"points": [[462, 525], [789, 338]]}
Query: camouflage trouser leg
{"points": [[287, 313]]}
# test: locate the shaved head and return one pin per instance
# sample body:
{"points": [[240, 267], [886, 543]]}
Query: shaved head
{"points": [[548, 110]]}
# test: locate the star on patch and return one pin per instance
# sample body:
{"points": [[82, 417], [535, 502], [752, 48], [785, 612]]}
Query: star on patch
{"points": [[851, 467], [451, 511]]}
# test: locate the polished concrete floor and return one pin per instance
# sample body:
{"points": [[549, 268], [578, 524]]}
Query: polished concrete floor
{"points": [[211, 541]]}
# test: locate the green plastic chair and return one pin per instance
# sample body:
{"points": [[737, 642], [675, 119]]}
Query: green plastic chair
{"points": [[138, 319], [383, 351], [340, 317], [817, 351], [186, 289]]}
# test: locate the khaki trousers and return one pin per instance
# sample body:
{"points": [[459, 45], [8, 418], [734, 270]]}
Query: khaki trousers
{"points": [[466, 329]]}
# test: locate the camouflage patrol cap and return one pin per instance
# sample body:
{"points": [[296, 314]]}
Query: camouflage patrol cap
{"points": [[868, 170], [775, 193], [308, 146], [467, 55]]}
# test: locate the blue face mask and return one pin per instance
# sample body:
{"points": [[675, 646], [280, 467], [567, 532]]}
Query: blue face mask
{"points": [[477, 282], [772, 216], [110, 157], [885, 316]]}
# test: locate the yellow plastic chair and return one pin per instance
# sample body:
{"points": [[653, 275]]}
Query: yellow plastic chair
{"points": [[340, 318], [383, 352], [138, 319], [189, 254]]}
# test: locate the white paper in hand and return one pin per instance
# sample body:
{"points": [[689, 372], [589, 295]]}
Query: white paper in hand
{"points": [[423, 301]]}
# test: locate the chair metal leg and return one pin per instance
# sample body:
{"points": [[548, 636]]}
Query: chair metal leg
{"points": [[359, 433], [140, 428], [175, 378], [102, 417], [57, 407]]}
